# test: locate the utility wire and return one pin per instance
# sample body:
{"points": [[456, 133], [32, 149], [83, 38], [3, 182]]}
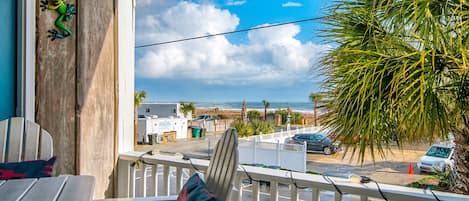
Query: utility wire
{"points": [[225, 33]]}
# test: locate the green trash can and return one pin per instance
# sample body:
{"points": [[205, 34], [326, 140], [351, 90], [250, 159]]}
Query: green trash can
{"points": [[196, 132]]}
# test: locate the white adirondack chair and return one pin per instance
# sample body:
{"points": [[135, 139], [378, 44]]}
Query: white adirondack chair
{"points": [[22, 140], [221, 171], [223, 164]]}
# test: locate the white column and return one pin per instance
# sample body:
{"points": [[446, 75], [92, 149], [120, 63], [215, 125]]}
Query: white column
{"points": [[125, 65]]}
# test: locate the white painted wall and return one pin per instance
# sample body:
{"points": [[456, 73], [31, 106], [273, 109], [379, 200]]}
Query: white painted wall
{"points": [[157, 126], [125, 62]]}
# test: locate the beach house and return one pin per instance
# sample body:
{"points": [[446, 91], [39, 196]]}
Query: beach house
{"points": [[71, 70]]}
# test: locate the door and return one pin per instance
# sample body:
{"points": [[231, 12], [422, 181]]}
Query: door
{"points": [[7, 58], [316, 142]]}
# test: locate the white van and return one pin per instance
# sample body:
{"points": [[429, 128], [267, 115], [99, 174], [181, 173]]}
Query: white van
{"points": [[438, 157]]}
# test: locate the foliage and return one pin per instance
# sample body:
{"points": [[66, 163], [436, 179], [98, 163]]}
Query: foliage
{"points": [[443, 177], [297, 118], [261, 127], [255, 127], [139, 96], [187, 107], [243, 129], [284, 114], [253, 115], [400, 67]]}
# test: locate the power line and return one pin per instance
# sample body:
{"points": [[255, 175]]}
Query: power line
{"points": [[225, 33]]}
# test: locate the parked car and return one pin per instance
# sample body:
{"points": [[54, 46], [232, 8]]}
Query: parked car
{"points": [[315, 142], [206, 117], [438, 157]]}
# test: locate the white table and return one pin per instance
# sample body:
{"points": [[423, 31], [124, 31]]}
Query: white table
{"points": [[66, 188]]}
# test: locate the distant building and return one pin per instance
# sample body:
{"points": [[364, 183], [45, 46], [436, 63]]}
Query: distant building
{"points": [[162, 110], [157, 118]]}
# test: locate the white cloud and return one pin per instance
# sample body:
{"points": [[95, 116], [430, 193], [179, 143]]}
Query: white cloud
{"points": [[271, 55], [235, 3], [292, 4]]}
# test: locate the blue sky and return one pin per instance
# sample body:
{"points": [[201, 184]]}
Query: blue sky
{"points": [[276, 64]]}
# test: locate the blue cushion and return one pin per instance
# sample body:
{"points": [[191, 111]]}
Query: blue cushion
{"points": [[27, 169], [196, 190]]}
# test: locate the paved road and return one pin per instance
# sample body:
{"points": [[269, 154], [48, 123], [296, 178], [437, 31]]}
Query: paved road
{"points": [[392, 169]]}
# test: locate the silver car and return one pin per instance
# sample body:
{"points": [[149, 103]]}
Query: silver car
{"points": [[438, 157]]}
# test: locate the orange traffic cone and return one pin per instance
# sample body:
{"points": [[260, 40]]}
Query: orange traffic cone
{"points": [[410, 170]]}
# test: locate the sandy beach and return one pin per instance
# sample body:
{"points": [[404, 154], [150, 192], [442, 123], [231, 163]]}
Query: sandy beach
{"points": [[233, 113]]}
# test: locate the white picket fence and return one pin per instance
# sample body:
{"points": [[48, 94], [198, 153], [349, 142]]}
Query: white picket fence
{"points": [[283, 134], [287, 156]]}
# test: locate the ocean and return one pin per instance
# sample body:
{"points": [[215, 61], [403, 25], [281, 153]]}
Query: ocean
{"points": [[295, 106]]}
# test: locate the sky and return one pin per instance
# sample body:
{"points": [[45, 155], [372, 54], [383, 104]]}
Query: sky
{"points": [[278, 64]]}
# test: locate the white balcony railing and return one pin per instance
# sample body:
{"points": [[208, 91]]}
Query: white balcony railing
{"points": [[164, 175]]}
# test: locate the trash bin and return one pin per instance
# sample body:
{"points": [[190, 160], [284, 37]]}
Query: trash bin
{"points": [[196, 131]]}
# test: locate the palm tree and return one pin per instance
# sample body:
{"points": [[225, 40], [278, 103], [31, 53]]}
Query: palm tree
{"points": [[187, 107], [244, 112], [399, 68], [266, 105], [139, 96], [315, 98]]}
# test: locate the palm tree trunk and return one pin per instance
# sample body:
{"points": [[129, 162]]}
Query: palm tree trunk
{"points": [[265, 113], [315, 116], [460, 173]]}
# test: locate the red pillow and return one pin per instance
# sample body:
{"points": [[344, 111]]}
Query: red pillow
{"points": [[27, 169], [196, 190]]}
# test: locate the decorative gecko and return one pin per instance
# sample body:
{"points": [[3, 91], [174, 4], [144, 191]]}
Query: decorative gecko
{"points": [[66, 12]]}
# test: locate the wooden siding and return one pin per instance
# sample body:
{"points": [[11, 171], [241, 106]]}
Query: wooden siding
{"points": [[96, 92], [76, 91], [56, 88]]}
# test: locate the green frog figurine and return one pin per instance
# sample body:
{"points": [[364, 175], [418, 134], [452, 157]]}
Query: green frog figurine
{"points": [[66, 12]]}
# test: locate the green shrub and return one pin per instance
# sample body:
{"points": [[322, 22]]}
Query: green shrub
{"points": [[254, 115], [297, 118], [244, 130], [261, 127], [284, 114], [255, 127]]}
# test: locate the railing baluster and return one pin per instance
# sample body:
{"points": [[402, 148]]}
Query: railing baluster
{"points": [[273, 191], [337, 196], [255, 191], [315, 194], [166, 180], [153, 183], [123, 178], [140, 185], [178, 179], [133, 177], [363, 198], [293, 192], [145, 179]]}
